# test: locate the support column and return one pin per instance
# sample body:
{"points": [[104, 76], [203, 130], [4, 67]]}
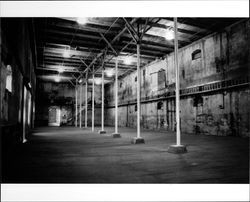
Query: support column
{"points": [[86, 101], [116, 134], [178, 148], [102, 131], [93, 101], [80, 108], [76, 105], [138, 139], [24, 114]]}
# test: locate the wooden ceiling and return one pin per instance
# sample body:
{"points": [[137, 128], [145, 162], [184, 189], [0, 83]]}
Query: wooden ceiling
{"points": [[95, 43]]}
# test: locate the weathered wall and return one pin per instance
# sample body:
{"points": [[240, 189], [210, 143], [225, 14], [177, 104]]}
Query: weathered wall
{"points": [[215, 88], [63, 95], [17, 51]]}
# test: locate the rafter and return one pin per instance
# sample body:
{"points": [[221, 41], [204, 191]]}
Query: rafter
{"points": [[113, 36]]}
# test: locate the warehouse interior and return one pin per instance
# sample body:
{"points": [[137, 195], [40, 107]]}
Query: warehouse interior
{"points": [[125, 100]]}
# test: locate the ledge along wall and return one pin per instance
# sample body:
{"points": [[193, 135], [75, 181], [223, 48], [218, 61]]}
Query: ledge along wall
{"points": [[214, 82]]}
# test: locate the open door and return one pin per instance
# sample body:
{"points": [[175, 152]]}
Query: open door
{"points": [[54, 116]]}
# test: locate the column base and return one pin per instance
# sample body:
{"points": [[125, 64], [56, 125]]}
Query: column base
{"points": [[102, 132], [116, 135], [137, 140], [177, 149], [25, 140]]}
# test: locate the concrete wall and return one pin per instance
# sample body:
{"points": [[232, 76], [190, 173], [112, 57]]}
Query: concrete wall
{"points": [[63, 95], [17, 51], [215, 88]]}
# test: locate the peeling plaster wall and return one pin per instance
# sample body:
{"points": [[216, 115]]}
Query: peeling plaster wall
{"points": [[224, 56], [62, 95]]}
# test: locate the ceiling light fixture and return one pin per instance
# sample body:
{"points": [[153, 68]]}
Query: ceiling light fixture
{"points": [[169, 34], [57, 79], [128, 60], [66, 53], [82, 21], [109, 72], [98, 81], [60, 69]]}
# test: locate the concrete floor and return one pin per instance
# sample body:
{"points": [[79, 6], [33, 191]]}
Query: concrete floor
{"points": [[72, 155]]}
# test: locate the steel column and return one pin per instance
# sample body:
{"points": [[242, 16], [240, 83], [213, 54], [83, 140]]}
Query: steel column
{"points": [[178, 148], [102, 129], [24, 113], [138, 93], [76, 104], [116, 134], [177, 85], [103, 99], [116, 95], [86, 101], [80, 107], [93, 101], [138, 139]]}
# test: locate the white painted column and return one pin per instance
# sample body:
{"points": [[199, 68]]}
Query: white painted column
{"points": [[102, 129], [76, 104], [116, 134], [80, 118], [177, 85], [93, 101], [24, 114], [86, 101], [178, 148], [116, 95], [138, 93], [102, 99]]}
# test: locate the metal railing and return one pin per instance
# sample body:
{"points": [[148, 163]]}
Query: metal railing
{"points": [[206, 88]]}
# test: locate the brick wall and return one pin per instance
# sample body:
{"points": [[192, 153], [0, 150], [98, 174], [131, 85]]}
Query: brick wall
{"points": [[215, 88]]}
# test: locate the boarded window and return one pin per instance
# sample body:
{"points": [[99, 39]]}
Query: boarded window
{"points": [[159, 105], [218, 65], [144, 77], [161, 79], [9, 78], [196, 54], [198, 101], [183, 73]]}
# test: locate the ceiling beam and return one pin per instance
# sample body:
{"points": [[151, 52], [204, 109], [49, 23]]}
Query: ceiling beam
{"points": [[108, 44], [162, 26], [147, 51]]}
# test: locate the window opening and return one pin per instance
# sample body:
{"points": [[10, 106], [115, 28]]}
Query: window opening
{"points": [[196, 54], [161, 79]]}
